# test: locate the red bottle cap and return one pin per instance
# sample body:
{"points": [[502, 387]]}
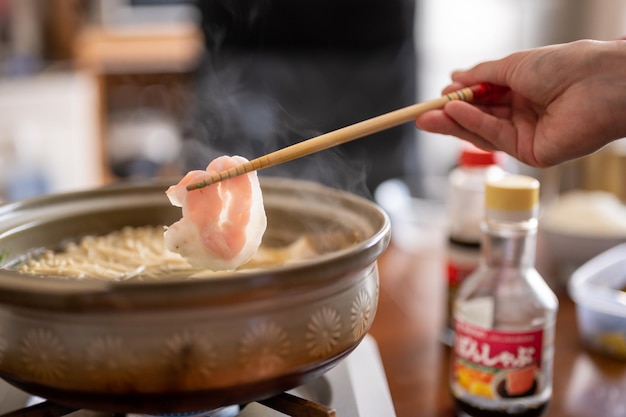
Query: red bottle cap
{"points": [[474, 156]]}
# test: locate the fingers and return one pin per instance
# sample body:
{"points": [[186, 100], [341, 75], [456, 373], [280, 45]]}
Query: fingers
{"points": [[468, 122], [454, 86], [490, 71], [473, 119], [494, 72], [436, 121], [480, 127]]}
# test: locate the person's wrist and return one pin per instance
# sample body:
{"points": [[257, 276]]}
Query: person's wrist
{"points": [[611, 81]]}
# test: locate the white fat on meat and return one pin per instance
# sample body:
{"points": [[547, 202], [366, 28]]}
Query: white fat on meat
{"points": [[222, 224]]}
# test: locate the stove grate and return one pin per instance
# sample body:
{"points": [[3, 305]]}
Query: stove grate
{"points": [[295, 406], [288, 404]]}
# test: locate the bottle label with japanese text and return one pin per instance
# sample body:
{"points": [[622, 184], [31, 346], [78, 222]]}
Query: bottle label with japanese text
{"points": [[495, 364]]}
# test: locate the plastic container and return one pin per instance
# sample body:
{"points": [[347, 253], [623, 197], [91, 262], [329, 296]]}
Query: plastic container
{"points": [[597, 288]]}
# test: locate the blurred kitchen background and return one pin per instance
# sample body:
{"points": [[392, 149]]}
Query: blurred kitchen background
{"points": [[94, 91]]}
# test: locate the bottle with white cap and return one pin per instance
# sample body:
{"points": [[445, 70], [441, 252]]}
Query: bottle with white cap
{"points": [[505, 313]]}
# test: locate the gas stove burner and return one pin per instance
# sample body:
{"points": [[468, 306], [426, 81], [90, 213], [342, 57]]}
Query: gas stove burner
{"points": [[356, 387], [229, 411]]}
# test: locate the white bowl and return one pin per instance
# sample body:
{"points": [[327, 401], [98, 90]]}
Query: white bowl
{"points": [[580, 226], [572, 250]]}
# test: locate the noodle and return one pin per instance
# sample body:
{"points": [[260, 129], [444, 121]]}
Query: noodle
{"points": [[139, 252]]}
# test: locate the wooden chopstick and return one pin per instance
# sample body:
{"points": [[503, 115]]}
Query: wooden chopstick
{"points": [[349, 133]]}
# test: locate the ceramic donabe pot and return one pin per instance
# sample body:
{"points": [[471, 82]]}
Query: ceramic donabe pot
{"points": [[179, 344]]}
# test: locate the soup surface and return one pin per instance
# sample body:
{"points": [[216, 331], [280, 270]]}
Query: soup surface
{"points": [[139, 253]]}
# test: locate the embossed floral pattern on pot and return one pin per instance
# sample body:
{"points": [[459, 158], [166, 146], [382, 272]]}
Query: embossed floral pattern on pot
{"points": [[190, 358], [43, 355], [360, 313], [264, 348], [110, 361], [323, 331]]}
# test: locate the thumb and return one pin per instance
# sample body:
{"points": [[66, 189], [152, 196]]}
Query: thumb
{"points": [[489, 71]]}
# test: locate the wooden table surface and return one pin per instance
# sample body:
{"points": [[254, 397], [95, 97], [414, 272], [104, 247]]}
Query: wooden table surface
{"points": [[407, 326]]}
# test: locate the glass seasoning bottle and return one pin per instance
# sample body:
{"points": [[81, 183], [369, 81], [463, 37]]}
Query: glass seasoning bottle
{"points": [[505, 313], [466, 200]]}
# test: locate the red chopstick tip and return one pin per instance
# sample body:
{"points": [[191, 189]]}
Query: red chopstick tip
{"points": [[489, 90]]}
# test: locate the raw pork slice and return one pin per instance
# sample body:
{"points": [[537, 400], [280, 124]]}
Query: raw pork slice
{"points": [[222, 224]]}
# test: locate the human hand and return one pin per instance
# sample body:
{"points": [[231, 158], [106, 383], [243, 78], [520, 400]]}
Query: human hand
{"points": [[565, 101]]}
